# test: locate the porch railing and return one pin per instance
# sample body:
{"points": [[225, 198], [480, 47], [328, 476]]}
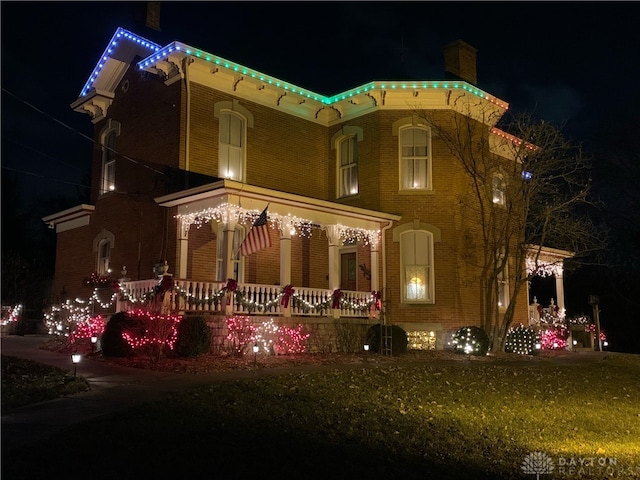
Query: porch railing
{"points": [[250, 299]]}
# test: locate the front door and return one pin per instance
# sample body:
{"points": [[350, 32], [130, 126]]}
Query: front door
{"points": [[348, 271]]}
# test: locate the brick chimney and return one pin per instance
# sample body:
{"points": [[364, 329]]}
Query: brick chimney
{"points": [[460, 61]]}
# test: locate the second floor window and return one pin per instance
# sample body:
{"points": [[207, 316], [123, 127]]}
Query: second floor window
{"points": [[498, 190], [109, 163], [348, 166], [231, 146], [415, 161]]}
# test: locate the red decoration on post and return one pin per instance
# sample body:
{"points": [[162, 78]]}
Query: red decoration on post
{"points": [[286, 295], [376, 295], [230, 286], [336, 296]]}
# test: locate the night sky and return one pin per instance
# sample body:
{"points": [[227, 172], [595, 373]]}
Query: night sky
{"points": [[575, 64]]}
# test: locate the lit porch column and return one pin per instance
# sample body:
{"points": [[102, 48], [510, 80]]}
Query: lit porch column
{"points": [[286, 231], [227, 247], [183, 241], [374, 244], [333, 234], [560, 288]]}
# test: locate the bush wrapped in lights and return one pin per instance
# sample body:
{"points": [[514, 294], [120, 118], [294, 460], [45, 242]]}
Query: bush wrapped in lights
{"points": [[522, 340], [470, 341], [554, 337]]}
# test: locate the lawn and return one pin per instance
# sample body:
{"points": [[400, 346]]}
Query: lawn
{"points": [[25, 382], [438, 420]]}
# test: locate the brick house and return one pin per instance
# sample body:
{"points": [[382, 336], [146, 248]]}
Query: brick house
{"points": [[360, 196]]}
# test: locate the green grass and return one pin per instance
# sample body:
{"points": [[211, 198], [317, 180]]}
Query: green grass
{"points": [[463, 420], [25, 382]]}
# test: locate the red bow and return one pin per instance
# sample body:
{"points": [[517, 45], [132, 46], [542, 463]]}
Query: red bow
{"points": [[286, 295], [336, 296], [231, 285]]}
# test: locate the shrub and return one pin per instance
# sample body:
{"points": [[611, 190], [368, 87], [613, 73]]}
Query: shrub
{"points": [[113, 344], [399, 340], [470, 341], [522, 340], [194, 337]]}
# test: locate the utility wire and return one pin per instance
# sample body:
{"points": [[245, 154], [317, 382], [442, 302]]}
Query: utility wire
{"points": [[126, 157]]}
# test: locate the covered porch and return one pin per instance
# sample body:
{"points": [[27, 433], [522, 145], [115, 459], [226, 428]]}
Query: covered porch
{"points": [[326, 258]]}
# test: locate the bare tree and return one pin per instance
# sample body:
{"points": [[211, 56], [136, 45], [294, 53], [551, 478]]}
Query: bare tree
{"points": [[525, 190]]}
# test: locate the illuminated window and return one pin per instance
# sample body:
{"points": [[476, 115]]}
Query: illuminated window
{"points": [[108, 172], [498, 190], [416, 253], [415, 158], [103, 245], [348, 166], [503, 286], [231, 146], [237, 260]]}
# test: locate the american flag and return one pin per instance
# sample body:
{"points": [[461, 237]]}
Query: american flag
{"points": [[258, 237]]}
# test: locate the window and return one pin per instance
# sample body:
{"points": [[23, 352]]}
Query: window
{"points": [[498, 190], [348, 166], [503, 285], [415, 162], [231, 146], [416, 253], [108, 180], [237, 260], [103, 244]]}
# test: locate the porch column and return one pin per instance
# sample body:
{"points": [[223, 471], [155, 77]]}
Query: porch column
{"points": [[560, 288], [333, 234], [285, 255], [374, 243], [227, 247], [183, 246]]}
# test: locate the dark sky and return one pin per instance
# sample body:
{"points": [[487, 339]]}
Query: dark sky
{"points": [[567, 62]]}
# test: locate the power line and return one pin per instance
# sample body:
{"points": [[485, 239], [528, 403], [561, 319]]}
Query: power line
{"points": [[44, 176], [126, 157]]}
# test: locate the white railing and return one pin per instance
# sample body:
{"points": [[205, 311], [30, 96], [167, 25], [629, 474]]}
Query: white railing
{"points": [[251, 299]]}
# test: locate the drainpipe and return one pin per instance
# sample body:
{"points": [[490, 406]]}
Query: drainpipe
{"points": [[186, 62], [384, 263]]}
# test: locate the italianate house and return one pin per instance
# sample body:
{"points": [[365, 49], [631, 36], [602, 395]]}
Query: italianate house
{"points": [[360, 196]]}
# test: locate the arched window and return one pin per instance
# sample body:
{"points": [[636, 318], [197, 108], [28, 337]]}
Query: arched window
{"points": [[108, 140], [499, 189], [103, 245], [415, 158], [231, 146], [347, 166], [416, 253]]}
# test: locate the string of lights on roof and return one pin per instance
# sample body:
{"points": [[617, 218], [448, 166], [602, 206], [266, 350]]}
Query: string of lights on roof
{"points": [[513, 139], [120, 34], [328, 100], [285, 223]]}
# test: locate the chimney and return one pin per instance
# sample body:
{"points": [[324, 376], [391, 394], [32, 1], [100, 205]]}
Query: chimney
{"points": [[153, 15], [460, 61]]}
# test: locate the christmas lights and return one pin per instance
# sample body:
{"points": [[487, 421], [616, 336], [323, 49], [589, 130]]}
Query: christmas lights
{"points": [[421, 340], [10, 314], [522, 340]]}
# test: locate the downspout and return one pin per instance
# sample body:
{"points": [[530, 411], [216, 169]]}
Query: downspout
{"points": [[384, 265], [187, 124]]}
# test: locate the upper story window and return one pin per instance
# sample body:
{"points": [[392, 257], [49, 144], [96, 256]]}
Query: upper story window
{"points": [[231, 146], [348, 166], [499, 189], [415, 158], [108, 171], [345, 141]]}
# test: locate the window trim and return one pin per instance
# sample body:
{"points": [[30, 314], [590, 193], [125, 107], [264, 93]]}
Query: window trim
{"points": [[104, 237], [400, 127], [108, 162], [234, 108], [346, 133], [434, 235]]}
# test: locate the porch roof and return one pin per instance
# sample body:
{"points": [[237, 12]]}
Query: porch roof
{"points": [[248, 200]]}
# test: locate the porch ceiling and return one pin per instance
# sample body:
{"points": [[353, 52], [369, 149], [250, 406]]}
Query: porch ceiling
{"points": [[248, 199]]}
